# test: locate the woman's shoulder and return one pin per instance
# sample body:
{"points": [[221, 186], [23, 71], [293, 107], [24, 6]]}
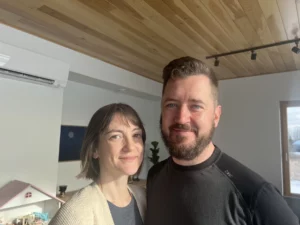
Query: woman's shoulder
{"points": [[82, 196], [78, 209], [87, 193]]}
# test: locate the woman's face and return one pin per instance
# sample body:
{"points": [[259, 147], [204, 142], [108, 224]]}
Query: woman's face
{"points": [[120, 149]]}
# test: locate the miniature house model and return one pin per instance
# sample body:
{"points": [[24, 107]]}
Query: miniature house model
{"points": [[17, 195]]}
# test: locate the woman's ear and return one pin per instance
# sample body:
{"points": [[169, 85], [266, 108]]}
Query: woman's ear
{"points": [[96, 154]]}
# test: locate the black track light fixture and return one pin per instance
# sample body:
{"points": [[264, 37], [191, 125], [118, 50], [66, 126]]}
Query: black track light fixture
{"points": [[253, 55], [296, 49], [217, 62]]}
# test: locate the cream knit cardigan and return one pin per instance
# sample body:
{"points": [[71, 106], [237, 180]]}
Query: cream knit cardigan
{"points": [[89, 207]]}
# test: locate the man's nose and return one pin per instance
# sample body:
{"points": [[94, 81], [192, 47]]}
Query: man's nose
{"points": [[182, 115]]}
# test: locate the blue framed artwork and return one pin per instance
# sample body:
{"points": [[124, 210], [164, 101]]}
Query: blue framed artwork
{"points": [[71, 138]]}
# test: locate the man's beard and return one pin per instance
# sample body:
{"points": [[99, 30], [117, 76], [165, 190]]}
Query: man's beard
{"points": [[187, 152]]}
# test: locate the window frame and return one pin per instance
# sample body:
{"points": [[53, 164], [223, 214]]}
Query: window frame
{"points": [[284, 142]]}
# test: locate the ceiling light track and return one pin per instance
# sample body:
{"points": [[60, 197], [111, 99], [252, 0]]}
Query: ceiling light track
{"points": [[295, 49]]}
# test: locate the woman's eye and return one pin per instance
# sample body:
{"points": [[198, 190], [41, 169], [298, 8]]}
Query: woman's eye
{"points": [[137, 135], [114, 137]]}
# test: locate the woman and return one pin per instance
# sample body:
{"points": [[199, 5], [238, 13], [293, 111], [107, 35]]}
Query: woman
{"points": [[112, 150]]}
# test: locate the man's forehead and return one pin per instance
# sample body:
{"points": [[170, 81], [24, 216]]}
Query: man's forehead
{"points": [[191, 91], [193, 80], [179, 88]]}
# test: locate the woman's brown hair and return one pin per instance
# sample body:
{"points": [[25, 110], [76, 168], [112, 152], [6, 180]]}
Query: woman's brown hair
{"points": [[90, 168]]}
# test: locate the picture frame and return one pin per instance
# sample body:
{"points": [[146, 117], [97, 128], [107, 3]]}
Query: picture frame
{"points": [[71, 138]]}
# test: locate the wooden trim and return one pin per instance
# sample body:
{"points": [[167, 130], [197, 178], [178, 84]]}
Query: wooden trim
{"points": [[285, 153], [295, 103], [284, 142]]}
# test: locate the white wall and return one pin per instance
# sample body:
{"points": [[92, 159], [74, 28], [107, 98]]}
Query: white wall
{"points": [[30, 118], [80, 63], [82, 101], [249, 129]]}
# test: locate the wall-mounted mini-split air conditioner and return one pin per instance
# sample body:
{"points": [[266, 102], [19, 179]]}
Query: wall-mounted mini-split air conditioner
{"points": [[23, 65]]}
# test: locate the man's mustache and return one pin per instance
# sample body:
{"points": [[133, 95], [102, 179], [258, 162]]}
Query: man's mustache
{"points": [[184, 127]]}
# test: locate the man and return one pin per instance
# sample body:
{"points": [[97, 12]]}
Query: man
{"points": [[199, 184]]}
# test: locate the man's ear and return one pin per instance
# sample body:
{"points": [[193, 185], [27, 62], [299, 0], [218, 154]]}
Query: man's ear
{"points": [[218, 112]]}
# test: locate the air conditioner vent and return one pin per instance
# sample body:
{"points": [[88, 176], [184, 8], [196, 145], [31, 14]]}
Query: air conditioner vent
{"points": [[26, 77]]}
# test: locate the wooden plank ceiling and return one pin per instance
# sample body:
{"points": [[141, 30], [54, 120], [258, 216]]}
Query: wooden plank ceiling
{"points": [[142, 36]]}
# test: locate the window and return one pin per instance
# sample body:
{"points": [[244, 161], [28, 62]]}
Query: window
{"points": [[290, 135]]}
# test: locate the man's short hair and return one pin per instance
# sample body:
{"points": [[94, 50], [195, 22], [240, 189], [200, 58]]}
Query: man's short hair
{"points": [[189, 66]]}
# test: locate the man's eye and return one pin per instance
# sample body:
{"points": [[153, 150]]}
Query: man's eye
{"points": [[171, 105], [196, 107]]}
